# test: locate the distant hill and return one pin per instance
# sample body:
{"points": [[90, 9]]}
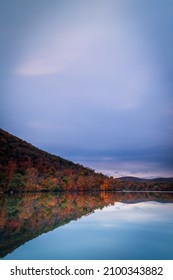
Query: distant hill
{"points": [[25, 168], [136, 179]]}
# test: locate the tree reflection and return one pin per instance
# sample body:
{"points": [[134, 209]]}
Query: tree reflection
{"points": [[26, 216]]}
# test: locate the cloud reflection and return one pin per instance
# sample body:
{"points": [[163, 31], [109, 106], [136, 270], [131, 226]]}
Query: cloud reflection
{"points": [[138, 213]]}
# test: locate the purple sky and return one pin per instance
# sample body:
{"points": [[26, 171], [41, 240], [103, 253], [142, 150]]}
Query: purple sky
{"points": [[91, 81]]}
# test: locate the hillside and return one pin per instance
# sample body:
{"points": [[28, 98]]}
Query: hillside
{"points": [[26, 168], [26, 155]]}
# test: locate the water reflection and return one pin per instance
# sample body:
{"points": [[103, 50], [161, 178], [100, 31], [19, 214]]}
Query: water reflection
{"points": [[24, 217]]}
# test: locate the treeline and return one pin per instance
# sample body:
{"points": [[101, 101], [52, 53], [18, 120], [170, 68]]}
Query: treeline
{"points": [[31, 179]]}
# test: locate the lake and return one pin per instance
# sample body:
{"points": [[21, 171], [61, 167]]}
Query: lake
{"points": [[114, 225]]}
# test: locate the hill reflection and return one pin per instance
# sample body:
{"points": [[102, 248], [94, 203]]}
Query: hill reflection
{"points": [[26, 216]]}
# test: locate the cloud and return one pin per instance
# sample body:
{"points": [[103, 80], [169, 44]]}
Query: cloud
{"points": [[38, 67], [91, 77], [48, 60], [56, 49], [105, 52], [42, 125]]}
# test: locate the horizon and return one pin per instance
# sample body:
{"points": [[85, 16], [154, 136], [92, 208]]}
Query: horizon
{"points": [[91, 82], [104, 172]]}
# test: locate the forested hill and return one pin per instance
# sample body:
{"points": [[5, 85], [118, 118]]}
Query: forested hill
{"points": [[24, 167], [25, 155]]}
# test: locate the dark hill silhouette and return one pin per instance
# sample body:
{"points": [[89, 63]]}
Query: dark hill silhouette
{"points": [[28, 168], [136, 179]]}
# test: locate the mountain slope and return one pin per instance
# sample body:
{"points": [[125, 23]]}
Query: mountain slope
{"points": [[25, 154], [26, 168]]}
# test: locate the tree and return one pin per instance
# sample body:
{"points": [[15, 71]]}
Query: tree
{"points": [[31, 178], [11, 170], [104, 186], [17, 183]]}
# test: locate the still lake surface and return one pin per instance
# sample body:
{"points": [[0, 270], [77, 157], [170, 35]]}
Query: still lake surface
{"points": [[86, 226]]}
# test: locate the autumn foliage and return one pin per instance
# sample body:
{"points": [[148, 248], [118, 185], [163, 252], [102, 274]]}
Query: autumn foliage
{"points": [[25, 168]]}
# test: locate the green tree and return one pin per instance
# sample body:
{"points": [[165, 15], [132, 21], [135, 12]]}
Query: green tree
{"points": [[17, 183]]}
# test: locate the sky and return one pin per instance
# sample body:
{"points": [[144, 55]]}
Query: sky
{"points": [[91, 81]]}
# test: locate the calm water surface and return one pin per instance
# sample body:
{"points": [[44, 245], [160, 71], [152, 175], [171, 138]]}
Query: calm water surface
{"points": [[87, 226]]}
